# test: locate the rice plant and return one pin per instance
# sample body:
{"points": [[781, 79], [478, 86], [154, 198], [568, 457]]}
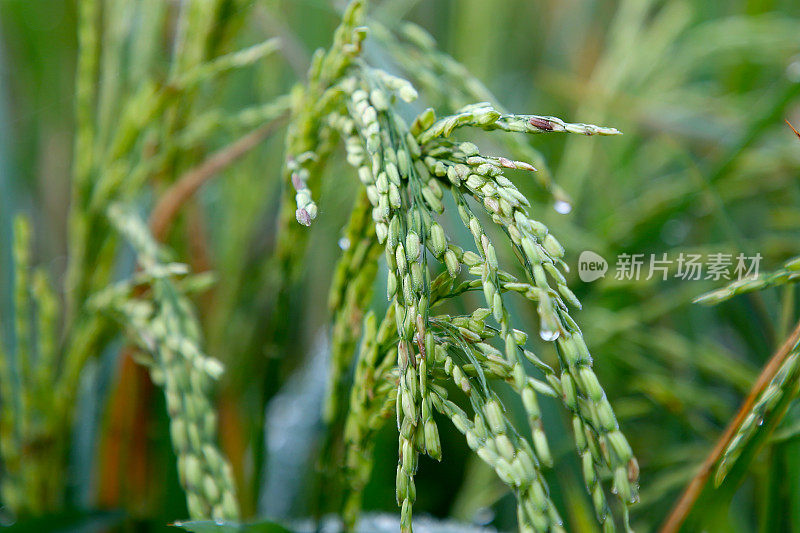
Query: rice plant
{"points": [[187, 181]]}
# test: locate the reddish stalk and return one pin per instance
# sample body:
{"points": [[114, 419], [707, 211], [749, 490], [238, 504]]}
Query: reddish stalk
{"points": [[794, 130], [173, 199]]}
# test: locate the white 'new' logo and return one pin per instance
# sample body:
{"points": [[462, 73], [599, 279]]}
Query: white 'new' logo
{"points": [[591, 266]]}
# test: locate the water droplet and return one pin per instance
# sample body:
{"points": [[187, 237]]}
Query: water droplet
{"points": [[760, 421], [562, 207], [344, 243], [548, 335], [793, 70]]}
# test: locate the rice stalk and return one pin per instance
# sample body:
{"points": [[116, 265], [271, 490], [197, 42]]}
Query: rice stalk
{"points": [[788, 273], [122, 140], [164, 326], [405, 171], [31, 455]]}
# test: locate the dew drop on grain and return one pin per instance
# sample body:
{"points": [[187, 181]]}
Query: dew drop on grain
{"points": [[562, 207], [548, 335]]}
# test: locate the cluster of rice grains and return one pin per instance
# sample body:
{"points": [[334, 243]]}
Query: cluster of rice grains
{"points": [[162, 323], [414, 353], [158, 315]]}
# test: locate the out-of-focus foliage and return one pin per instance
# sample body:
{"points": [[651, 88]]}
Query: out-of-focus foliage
{"points": [[705, 165]]}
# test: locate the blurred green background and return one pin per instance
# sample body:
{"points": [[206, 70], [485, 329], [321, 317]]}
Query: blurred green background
{"points": [[706, 164]]}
